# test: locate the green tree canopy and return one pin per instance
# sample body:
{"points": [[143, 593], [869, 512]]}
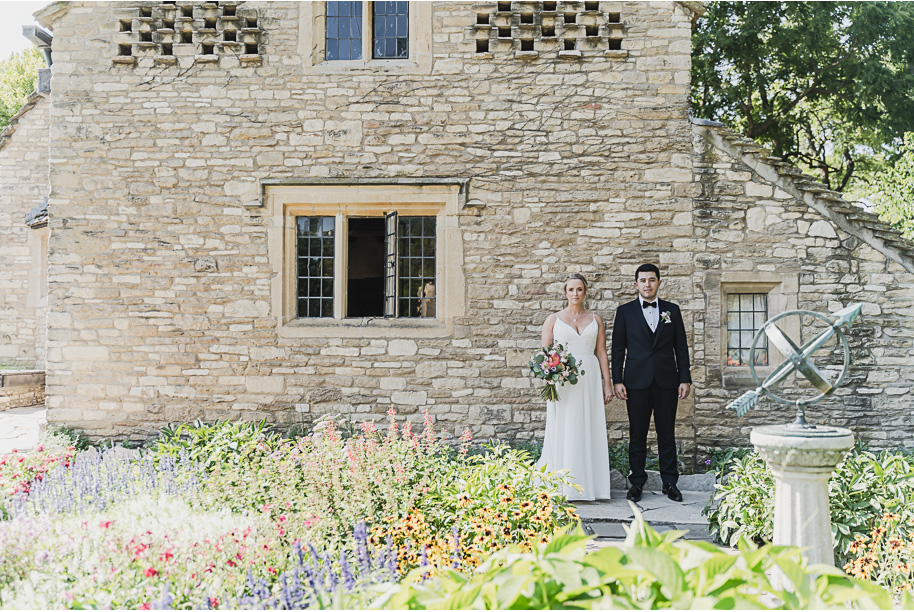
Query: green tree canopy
{"points": [[894, 190], [826, 85], [18, 77]]}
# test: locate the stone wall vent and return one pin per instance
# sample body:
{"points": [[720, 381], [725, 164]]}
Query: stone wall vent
{"points": [[568, 29], [183, 32]]}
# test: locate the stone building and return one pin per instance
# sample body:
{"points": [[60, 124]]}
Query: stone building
{"points": [[282, 210]]}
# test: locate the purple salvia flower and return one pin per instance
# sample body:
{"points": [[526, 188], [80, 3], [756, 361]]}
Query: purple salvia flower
{"points": [[348, 580]]}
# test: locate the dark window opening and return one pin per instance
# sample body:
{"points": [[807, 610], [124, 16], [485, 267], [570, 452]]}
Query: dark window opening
{"points": [[126, 25], [166, 49], [145, 11], [526, 44], [229, 36], [187, 36], [209, 48], [250, 48], [593, 30], [504, 7], [251, 22], [168, 24], [390, 39], [229, 10], [145, 36], [614, 18], [504, 32], [591, 6], [569, 44], [124, 50], [571, 17], [482, 45], [482, 18], [365, 286], [344, 30], [549, 7], [526, 18], [548, 31], [416, 266], [315, 266], [209, 24], [615, 44]]}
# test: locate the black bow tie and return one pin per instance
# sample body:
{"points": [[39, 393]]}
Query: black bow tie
{"points": [[648, 304]]}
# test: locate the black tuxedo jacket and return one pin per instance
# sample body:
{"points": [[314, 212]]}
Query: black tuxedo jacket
{"points": [[640, 357]]}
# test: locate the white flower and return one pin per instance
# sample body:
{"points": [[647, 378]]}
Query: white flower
{"points": [[665, 316]]}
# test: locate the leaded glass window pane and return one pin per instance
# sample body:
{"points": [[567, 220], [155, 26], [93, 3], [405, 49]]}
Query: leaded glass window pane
{"points": [[391, 30], [315, 236], [344, 30], [417, 266], [746, 313]]}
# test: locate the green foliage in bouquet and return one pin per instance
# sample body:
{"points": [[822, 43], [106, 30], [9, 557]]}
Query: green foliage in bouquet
{"points": [[556, 366]]}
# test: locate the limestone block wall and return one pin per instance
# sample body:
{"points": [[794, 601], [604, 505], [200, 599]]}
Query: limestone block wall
{"points": [[160, 275], [20, 388], [23, 185], [759, 224]]}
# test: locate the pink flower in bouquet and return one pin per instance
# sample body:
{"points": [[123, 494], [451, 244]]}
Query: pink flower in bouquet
{"points": [[554, 360]]}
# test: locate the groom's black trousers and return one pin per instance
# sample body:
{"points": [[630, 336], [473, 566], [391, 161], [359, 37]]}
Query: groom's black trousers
{"points": [[641, 404]]}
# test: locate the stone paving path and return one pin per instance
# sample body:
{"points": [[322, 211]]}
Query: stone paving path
{"points": [[20, 427], [605, 519]]}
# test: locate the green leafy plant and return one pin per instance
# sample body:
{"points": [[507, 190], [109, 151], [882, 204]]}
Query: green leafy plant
{"points": [[213, 443], [865, 486], [651, 571]]}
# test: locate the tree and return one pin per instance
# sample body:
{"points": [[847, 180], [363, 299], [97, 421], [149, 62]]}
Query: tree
{"points": [[894, 190], [826, 85], [18, 78]]}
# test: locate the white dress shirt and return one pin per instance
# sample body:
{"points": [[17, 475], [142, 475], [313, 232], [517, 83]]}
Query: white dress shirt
{"points": [[651, 315]]}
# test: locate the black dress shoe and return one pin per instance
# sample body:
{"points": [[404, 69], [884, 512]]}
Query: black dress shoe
{"points": [[672, 492], [634, 493]]}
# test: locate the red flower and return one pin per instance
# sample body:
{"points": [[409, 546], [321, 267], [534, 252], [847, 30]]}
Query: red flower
{"points": [[166, 556], [272, 570], [104, 524], [144, 605], [150, 572], [213, 602]]}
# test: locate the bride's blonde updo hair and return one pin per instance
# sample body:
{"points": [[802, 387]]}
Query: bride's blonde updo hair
{"points": [[576, 276]]}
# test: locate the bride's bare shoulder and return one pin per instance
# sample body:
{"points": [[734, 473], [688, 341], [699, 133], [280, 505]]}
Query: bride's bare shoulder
{"points": [[550, 320]]}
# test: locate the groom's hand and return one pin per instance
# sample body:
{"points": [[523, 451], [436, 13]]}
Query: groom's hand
{"points": [[684, 389], [621, 393]]}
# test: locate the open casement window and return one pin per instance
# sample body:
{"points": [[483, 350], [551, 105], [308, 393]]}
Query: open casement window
{"points": [[390, 266], [366, 258]]}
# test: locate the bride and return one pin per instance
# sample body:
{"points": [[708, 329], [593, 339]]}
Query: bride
{"points": [[576, 423]]}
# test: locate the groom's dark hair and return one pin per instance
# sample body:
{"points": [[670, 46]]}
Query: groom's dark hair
{"points": [[647, 268]]}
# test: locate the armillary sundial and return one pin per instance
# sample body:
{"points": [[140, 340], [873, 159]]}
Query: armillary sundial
{"points": [[798, 359]]}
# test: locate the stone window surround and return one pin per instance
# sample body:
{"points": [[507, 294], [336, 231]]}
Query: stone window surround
{"points": [[285, 200], [782, 290], [312, 40], [38, 275]]}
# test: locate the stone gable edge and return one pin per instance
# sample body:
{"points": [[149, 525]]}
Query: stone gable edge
{"points": [[33, 100], [849, 217]]}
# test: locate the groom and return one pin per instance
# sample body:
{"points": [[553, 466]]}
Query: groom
{"points": [[650, 369]]}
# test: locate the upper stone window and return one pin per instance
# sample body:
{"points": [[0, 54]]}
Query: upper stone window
{"points": [[347, 35], [347, 20]]}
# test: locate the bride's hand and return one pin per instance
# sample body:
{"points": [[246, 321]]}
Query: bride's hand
{"points": [[607, 394]]}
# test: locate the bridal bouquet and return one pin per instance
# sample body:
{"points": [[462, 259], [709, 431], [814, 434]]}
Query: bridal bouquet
{"points": [[556, 366]]}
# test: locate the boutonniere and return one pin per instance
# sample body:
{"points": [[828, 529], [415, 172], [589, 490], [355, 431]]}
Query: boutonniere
{"points": [[665, 316]]}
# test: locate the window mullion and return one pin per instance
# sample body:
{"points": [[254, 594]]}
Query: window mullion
{"points": [[341, 263], [367, 31]]}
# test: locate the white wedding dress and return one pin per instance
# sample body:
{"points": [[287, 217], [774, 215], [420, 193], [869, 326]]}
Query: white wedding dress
{"points": [[576, 424]]}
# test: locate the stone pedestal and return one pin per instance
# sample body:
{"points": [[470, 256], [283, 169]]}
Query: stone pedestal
{"points": [[802, 461]]}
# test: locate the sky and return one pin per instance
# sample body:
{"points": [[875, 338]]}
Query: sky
{"points": [[14, 15]]}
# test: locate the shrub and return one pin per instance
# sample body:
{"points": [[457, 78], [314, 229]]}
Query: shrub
{"points": [[212, 444], [651, 571], [864, 487]]}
